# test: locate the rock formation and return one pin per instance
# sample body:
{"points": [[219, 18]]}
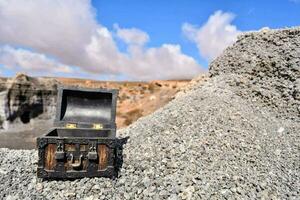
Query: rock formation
{"points": [[26, 98]]}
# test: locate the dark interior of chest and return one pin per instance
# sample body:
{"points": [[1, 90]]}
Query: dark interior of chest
{"points": [[88, 133], [86, 106]]}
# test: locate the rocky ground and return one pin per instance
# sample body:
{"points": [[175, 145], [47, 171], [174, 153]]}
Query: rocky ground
{"points": [[235, 136]]}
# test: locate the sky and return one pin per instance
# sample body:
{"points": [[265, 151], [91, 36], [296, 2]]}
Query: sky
{"points": [[128, 40]]}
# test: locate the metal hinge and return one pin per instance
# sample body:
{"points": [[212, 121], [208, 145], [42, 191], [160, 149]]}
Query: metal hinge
{"points": [[71, 126], [97, 126]]}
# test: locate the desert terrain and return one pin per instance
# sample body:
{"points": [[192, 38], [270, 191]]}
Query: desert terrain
{"points": [[135, 99], [37, 96]]}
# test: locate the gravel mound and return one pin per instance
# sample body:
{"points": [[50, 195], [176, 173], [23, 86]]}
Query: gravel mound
{"points": [[266, 68], [220, 140]]}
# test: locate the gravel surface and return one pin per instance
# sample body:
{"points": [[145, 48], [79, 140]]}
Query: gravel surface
{"points": [[219, 140], [266, 68]]}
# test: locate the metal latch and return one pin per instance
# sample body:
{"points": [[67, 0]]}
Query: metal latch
{"points": [[92, 155], [71, 125], [76, 164], [97, 126], [59, 154]]}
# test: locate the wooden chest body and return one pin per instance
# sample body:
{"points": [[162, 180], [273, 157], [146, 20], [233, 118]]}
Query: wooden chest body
{"points": [[83, 142], [78, 157]]}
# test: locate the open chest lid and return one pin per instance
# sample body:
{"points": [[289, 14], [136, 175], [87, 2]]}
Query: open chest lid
{"points": [[86, 108]]}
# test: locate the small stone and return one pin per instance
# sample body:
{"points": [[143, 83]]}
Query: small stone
{"points": [[163, 193], [126, 196], [239, 190], [146, 182], [70, 194], [39, 187], [280, 130], [2, 171], [12, 197], [96, 187], [277, 152], [173, 197], [90, 198]]}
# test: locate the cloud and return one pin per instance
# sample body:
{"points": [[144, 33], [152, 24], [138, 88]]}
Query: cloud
{"points": [[54, 27], [165, 62], [25, 60], [214, 36], [132, 35], [168, 61], [67, 32]]}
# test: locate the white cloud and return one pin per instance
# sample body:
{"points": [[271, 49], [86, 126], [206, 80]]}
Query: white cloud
{"points": [[214, 36], [25, 60], [165, 62], [54, 27], [132, 35], [102, 54], [67, 31]]}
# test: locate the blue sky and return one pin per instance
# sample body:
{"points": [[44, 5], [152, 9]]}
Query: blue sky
{"points": [[162, 20], [159, 21]]}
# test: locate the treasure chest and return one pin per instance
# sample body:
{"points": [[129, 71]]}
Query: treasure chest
{"points": [[83, 141]]}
